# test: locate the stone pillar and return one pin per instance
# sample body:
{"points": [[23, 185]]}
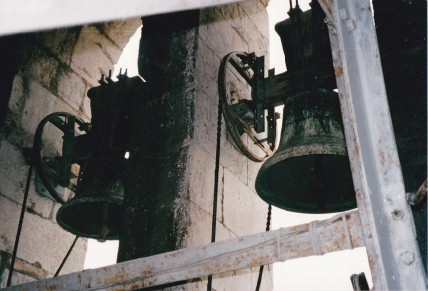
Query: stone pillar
{"points": [[169, 193], [155, 216]]}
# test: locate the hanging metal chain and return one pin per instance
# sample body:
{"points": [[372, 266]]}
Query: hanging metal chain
{"points": [[216, 174], [259, 280]]}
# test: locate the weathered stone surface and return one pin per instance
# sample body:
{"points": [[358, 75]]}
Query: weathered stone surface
{"points": [[228, 28], [94, 54], [42, 241], [199, 233], [265, 2], [39, 103], [13, 171], [72, 89], [206, 115], [120, 31], [157, 200], [47, 85], [39, 64], [202, 180], [59, 41], [240, 280], [242, 207], [253, 170], [17, 278]]}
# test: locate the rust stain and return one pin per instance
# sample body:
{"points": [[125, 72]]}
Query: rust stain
{"points": [[359, 194], [147, 272], [52, 287], [118, 277], [338, 71], [356, 147], [382, 158]]}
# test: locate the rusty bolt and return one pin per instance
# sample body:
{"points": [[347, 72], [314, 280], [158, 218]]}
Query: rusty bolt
{"points": [[350, 24], [408, 257], [367, 232], [397, 214]]}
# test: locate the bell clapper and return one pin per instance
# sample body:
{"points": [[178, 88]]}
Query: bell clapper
{"points": [[104, 230]]}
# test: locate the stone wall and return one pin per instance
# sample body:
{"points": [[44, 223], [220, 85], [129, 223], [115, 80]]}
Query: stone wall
{"points": [[54, 71], [238, 27]]}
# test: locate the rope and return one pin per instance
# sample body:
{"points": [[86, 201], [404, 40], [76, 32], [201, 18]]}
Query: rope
{"points": [[21, 220], [216, 174], [259, 280], [66, 256]]}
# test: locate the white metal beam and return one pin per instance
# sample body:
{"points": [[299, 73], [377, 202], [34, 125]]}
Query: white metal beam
{"points": [[386, 218], [316, 238], [17, 16]]}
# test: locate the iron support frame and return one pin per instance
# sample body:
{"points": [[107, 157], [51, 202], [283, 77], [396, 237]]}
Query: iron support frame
{"points": [[386, 218]]}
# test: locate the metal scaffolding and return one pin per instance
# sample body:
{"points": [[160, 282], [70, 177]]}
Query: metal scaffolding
{"points": [[383, 222]]}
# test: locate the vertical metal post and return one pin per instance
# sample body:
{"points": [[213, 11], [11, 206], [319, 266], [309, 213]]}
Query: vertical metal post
{"points": [[386, 219]]}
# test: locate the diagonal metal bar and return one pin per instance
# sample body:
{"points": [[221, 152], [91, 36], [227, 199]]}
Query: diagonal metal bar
{"points": [[316, 238], [386, 219]]}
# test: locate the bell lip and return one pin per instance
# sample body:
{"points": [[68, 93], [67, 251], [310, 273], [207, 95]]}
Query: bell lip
{"points": [[72, 202], [348, 205]]}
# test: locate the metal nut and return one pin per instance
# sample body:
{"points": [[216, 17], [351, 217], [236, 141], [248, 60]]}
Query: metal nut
{"points": [[397, 214], [408, 258]]}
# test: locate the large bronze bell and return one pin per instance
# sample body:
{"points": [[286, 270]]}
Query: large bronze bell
{"points": [[310, 171], [96, 210]]}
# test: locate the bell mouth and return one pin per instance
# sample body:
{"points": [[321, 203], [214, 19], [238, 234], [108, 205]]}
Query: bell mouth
{"points": [[310, 171], [316, 184], [92, 217]]}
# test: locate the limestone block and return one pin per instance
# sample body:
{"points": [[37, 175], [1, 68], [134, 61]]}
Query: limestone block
{"points": [[205, 131], [199, 231], [233, 160], [42, 241], [253, 170], [206, 72], [244, 212], [240, 280], [13, 171], [86, 109], [206, 137], [40, 65], [265, 2], [120, 31], [71, 88], [235, 28], [39, 103], [93, 55], [17, 96], [202, 180], [17, 278], [267, 278], [59, 41], [219, 34], [255, 28], [37, 204]]}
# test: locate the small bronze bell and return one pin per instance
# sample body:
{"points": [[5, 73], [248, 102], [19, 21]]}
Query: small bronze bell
{"points": [[96, 210], [310, 171]]}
